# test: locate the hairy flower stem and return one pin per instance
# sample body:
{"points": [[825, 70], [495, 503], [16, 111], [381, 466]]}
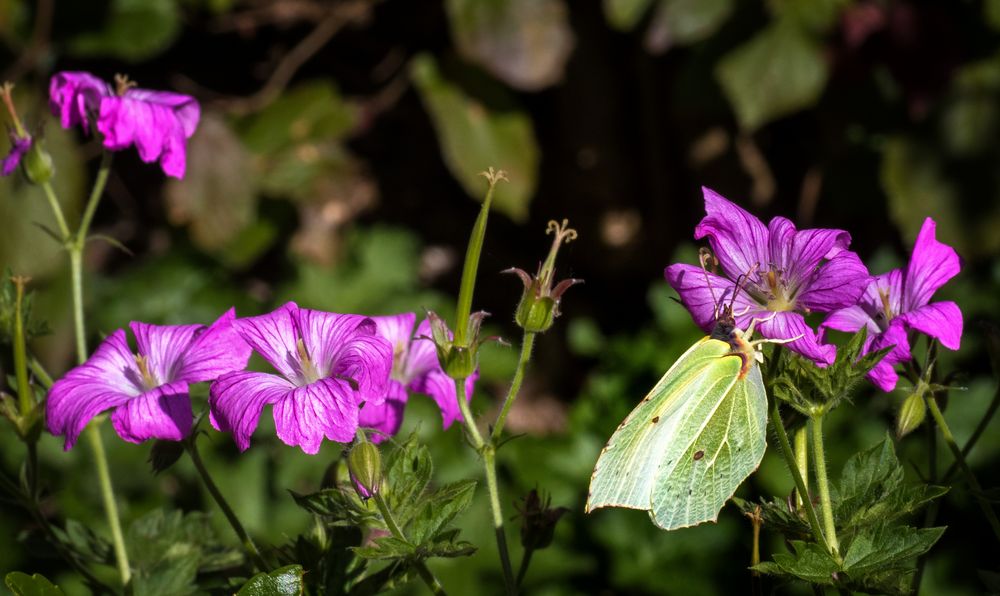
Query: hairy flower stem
{"points": [[800, 483], [977, 489], [258, 560], [802, 462], [75, 243], [425, 573], [515, 384], [822, 481], [488, 453]]}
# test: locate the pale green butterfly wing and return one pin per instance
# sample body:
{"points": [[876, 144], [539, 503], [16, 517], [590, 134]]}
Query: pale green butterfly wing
{"points": [[700, 405]]}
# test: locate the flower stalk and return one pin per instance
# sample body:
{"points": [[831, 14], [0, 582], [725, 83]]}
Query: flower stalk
{"points": [[822, 481], [471, 266], [425, 573], [515, 386]]}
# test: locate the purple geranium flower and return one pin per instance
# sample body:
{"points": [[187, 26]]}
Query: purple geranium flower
{"points": [[158, 123], [415, 368], [148, 390], [784, 273], [329, 365], [18, 147], [900, 300]]}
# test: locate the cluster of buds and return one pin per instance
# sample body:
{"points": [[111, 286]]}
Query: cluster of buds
{"points": [[539, 304]]}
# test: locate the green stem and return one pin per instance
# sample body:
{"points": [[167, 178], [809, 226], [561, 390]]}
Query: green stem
{"points": [[470, 268], [50, 194], [421, 566], [25, 397], [977, 489], [802, 461], [241, 533], [40, 373], [108, 495], [800, 484], [525, 561], [819, 457], [515, 385], [486, 451]]}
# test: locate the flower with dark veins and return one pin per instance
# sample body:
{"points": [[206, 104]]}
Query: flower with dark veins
{"points": [[328, 364], [158, 123], [777, 273], [147, 390], [899, 300]]}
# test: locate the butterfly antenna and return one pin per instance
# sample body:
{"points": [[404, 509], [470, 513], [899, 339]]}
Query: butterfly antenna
{"points": [[708, 260], [741, 282]]}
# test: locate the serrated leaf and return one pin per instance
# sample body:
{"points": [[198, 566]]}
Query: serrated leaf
{"points": [[475, 135], [133, 30], [878, 548], [807, 561], [439, 508], [286, 581], [387, 547], [778, 72], [336, 504], [524, 43], [22, 584], [449, 549], [408, 470]]}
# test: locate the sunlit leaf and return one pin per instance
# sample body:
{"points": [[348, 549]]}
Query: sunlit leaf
{"points": [[286, 581], [133, 30], [525, 43], [475, 136], [778, 72]]}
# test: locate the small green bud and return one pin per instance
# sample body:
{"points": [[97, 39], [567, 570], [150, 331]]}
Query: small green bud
{"points": [[912, 413], [38, 164], [539, 305], [164, 454], [535, 314], [364, 463]]}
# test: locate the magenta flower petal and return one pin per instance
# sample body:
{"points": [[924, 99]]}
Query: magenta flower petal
{"points": [[213, 352], [160, 413], [932, 264], [327, 408], [699, 291], [738, 238], [73, 96], [273, 336], [385, 418], [942, 320], [422, 355], [884, 375], [838, 283], [158, 123], [18, 147], [786, 325], [441, 388], [397, 329], [237, 399]]}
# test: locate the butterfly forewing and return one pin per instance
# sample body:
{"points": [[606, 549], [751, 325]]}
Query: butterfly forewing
{"points": [[628, 468], [720, 442]]}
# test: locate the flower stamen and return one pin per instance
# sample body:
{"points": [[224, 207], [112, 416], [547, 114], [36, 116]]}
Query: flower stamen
{"points": [[146, 376], [308, 369]]}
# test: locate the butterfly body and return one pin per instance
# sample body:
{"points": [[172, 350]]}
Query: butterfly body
{"points": [[690, 443]]}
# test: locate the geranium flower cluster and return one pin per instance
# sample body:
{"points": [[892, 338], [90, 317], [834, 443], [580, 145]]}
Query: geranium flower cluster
{"points": [[776, 275], [334, 374]]}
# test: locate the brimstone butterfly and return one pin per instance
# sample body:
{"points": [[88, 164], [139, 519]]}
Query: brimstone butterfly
{"points": [[690, 443]]}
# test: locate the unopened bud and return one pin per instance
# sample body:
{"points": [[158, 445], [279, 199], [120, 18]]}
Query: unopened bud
{"points": [[38, 164], [912, 413], [164, 454], [538, 521], [364, 463]]}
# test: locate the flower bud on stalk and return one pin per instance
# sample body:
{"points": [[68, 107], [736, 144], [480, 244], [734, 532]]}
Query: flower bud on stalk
{"points": [[24, 150], [364, 463], [538, 521], [539, 304]]}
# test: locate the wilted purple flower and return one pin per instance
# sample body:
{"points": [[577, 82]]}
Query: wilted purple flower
{"points": [[415, 368], [158, 123], [148, 390], [783, 273], [900, 300], [18, 147], [329, 365]]}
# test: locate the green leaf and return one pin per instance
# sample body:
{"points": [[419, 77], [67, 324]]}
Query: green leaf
{"points": [[134, 30], [807, 561], [439, 508], [286, 581], [872, 489], [408, 470], [387, 547], [524, 43], [22, 584], [308, 113], [778, 72], [881, 548], [684, 22], [818, 16], [624, 15], [336, 504], [475, 135]]}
